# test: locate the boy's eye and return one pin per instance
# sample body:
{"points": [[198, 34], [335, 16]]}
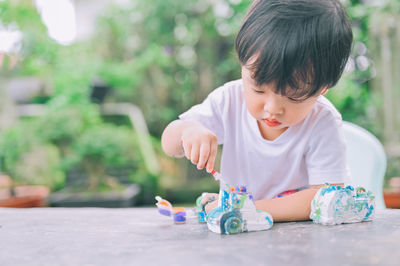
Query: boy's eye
{"points": [[295, 100], [258, 91]]}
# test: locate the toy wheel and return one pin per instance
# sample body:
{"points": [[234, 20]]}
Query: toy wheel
{"points": [[233, 225]]}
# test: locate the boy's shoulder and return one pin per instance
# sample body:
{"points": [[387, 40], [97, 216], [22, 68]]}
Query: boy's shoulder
{"points": [[323, 117], [324, 108], [234, 86], [228, 93]]}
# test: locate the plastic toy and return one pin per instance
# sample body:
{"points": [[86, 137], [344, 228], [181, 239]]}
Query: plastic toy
{"points": [[200, 211], [179, 214], [236, 213], [165, 208], [336, 205]]}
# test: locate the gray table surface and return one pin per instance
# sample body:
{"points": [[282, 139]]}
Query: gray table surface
{"points": [[140, 236]]}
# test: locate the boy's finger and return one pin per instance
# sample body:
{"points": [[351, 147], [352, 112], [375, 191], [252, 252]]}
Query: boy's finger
{"points": [[194, 155], [211, 159], [204, 154], [187, 148]]}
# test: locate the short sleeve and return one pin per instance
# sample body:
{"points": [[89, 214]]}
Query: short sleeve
{"points": [[209, 112], [326, 155]]}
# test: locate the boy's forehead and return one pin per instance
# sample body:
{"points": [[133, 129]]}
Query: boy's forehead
{"points": [[247, 73]]}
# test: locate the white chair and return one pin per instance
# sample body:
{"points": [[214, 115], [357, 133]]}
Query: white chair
{"points": [[366, 159]]}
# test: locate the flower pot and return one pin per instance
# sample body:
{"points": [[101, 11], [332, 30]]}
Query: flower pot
{"points": [[392, 199], [24, 197], [392, 194]]}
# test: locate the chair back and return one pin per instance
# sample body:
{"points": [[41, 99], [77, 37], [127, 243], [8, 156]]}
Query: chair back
{"points": [[366, 159]]}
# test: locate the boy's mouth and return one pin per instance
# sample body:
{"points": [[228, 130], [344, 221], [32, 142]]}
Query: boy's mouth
{"points": [[272, 122]]}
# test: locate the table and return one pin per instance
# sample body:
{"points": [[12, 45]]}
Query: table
{"points": [[140, 236]]}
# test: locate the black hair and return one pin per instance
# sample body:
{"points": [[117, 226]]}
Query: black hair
{"points": [[302, 45]]}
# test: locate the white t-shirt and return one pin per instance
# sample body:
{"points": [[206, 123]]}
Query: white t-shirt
{"points": [[311, 152]]}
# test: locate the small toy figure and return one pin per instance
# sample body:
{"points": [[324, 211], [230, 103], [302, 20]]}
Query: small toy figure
{"points": [[336, 205], [165, 208]]}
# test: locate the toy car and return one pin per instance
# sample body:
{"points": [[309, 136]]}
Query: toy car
{"points": [[237, 213], [336, 205]]}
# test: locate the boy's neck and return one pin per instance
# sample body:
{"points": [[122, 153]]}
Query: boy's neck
{"points": [[270, 133]]}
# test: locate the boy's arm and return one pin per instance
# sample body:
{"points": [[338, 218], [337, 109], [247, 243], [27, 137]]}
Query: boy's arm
{"points": [[294, 207], [190, 139], [172, 135]]}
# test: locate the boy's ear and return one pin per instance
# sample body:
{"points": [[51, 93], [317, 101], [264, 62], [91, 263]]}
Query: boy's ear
{"points": [[324, 91]]}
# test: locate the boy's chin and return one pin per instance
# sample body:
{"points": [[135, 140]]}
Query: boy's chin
{"points": [[280, 127]]}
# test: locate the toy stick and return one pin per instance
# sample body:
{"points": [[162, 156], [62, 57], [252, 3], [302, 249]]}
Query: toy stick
{"points": [[216, 174]]}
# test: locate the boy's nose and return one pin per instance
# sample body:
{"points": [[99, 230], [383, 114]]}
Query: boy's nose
{"points": [[273, 107]]}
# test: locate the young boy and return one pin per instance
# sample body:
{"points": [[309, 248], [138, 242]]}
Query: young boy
{"points": [[280, 135]]}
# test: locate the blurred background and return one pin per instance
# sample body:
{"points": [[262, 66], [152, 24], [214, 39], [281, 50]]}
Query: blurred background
{"points": [[87, 87]]}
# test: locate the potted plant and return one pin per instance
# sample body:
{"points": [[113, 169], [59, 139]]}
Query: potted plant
{"points": [[70, 150], [94, 153], [33, 167]]}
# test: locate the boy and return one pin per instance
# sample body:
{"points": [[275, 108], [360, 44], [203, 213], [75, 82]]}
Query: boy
{"points": [[279, 133]]}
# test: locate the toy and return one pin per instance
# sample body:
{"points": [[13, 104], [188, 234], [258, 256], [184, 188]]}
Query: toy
{"points": [[336, 205], [236, 213], [179, 214], [165, 208], [200, 211]]}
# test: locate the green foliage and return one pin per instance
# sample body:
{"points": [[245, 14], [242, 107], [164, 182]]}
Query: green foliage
{"points": [[37, 51], [60, 126], [167, 56], [14, 143], [28, 160], [353, 95], [356, 104], [108, 145], [72, 75], [71, 134], [42, 150], [40, 166]]}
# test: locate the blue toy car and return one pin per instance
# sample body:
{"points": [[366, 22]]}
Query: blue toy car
{"points": [[236, 213]]}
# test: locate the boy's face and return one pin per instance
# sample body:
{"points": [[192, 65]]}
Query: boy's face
{"points": [[274, 112]]}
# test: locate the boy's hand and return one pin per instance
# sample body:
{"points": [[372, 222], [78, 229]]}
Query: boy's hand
{"points": [[200, 146]]}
